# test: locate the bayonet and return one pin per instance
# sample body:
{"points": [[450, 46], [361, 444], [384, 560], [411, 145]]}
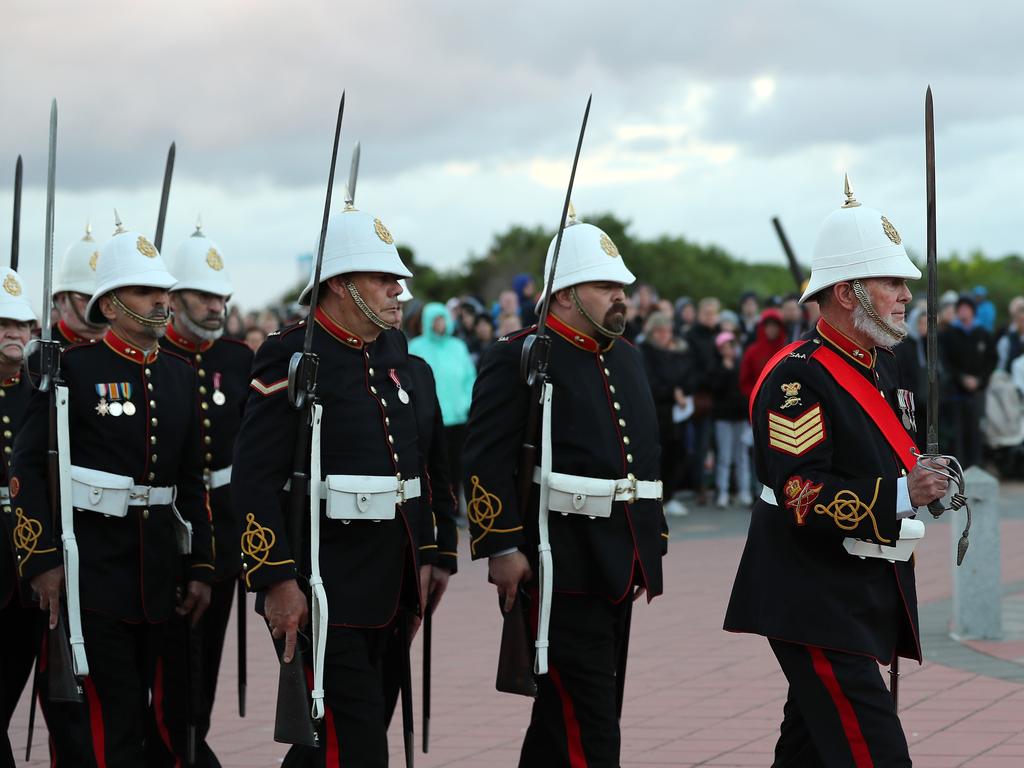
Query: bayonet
{"points": [[16, 224], [165, 193], [353, 177]]}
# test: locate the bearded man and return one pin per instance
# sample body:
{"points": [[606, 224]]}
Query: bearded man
{"points": [[827, 574], [603, 525], [73, 286]]}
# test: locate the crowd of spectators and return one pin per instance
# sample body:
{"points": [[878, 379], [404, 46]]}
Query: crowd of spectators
{"points": [[703, 360]]}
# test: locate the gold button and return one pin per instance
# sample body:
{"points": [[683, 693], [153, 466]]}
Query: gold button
{"points": [[202, 390], [153, 421], [387, 421], [7, 450], [6, 419], [8, 433], [153, 458], [384, 402], [206, 422], [611, 388], [150, 386], [202, 373], [622, 422], [373, 389], [601, 358], [205, 406], [207, 440], [148, 372], [199, 358], [152, 440], [370, 371], [3, 393], [394, 456], [629, 458], [151, 476], [606, 371], [391, 439], [625, 439], [152, 403], [208, 457], [903, 471], [631, 477], [617, 406], [145, 514]]}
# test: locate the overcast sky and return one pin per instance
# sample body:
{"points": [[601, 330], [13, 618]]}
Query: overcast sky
{"points": [[708, 119]]}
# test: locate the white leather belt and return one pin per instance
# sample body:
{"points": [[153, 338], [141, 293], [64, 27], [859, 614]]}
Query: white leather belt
{"points": [[5, 495], [407, 489], [625, 489], [768, 496], [218, 478], [150, 496]]}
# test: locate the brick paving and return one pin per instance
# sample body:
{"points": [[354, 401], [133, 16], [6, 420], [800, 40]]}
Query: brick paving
{"points": [[695, 695]]}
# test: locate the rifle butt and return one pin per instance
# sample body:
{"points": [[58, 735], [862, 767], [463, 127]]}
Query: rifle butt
{"points": [[62, 684], [292, 721]]}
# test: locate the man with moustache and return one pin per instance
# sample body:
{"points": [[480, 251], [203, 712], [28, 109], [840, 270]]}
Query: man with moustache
{"points": [[22, 622], [827, 574], [73, 286], [373, 537], [137, 494], [607, 528], [222, 366]]}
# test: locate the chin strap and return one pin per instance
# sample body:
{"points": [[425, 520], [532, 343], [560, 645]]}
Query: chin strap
{"points": [[148, 322], [865, 301], [606, 332], [372, 316]]}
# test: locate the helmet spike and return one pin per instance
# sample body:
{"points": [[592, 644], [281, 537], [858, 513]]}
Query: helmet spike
{"points": [[851, 202], [199, 226], [88, 231], [119, 227]]}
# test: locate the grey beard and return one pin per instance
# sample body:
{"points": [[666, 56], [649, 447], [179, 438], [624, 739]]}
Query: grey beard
{"points": [[196, 329], [877, 333]]}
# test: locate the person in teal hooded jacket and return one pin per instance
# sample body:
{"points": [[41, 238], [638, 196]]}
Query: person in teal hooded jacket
{"points": [[454, 373]]}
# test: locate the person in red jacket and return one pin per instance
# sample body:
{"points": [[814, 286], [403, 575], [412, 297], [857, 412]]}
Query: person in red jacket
{"points": [[769, 340]]}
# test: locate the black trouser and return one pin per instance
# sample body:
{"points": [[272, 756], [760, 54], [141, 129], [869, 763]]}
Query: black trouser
{"points": [[969, 407], [353, 732], [838, 713], [19, 643], [122, 658], [574, 721], [168, 745]]}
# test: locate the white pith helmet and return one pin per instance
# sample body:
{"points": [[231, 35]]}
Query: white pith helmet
{"points": [[127, 258], [406, 294], [857, 242], [13, 301], [357, 242], [77, 271], [587, 255], [199, 266]]}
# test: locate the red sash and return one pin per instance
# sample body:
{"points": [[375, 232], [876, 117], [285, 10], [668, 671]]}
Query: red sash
{"points": [[871, 400], [861, 390]]}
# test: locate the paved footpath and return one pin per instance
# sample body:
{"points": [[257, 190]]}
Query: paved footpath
{"points": [[695, 695]]}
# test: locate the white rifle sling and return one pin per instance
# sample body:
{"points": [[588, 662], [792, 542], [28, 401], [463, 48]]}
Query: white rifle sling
{"points": [[316, 582], [67, 537], [547, 565]]}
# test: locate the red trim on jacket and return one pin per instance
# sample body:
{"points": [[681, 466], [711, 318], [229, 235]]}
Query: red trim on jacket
{"points": [[337, 330], [129, 351], [178, 340]]}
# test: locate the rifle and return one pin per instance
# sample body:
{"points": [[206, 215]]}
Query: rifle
{"points": [[241, 607], [513, 676], [293, 724], [63, 683], [165, 193], [16, 225], [794, 265]]}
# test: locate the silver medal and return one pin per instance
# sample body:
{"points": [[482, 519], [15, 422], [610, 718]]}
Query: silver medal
{"points": [[403, 396], [219, 398], [115, 409], [907, 421], [129, 408]]}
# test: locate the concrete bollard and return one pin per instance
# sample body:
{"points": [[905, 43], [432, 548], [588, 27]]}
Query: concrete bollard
{"points": [[977, 591]]}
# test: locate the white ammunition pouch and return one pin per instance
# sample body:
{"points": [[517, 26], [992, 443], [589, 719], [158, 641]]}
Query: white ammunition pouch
{"points": [[367, 497], [911, 533], [218, 478], [594, 496]]}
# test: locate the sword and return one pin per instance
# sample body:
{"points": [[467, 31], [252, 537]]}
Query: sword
{"points": [[16, 225], [165, 193], [794, 265], [242, 665]]}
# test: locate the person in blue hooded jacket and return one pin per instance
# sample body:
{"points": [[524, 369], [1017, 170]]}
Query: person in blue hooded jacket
{"points": [[454, 373]]}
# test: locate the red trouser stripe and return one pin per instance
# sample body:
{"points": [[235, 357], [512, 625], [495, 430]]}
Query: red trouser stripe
{"points": [[848, 718], [96, 723], [158, 706], [574, 743]]}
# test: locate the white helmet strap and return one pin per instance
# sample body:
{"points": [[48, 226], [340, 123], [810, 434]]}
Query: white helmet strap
{"points": [[869, 308], [372, 316], [606, 332]]}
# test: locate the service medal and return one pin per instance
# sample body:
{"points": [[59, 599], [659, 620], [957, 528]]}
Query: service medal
{"points": [[102, 408], [218, 397], [402, 394], [129, 408], [907, 421], [115, 409]]}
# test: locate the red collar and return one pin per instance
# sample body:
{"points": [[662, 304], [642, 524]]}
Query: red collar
{"points": [[70, 335], [180, 341], [858, 354], [575, 337], [129, 351], [335, 329], [15, 379]]}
